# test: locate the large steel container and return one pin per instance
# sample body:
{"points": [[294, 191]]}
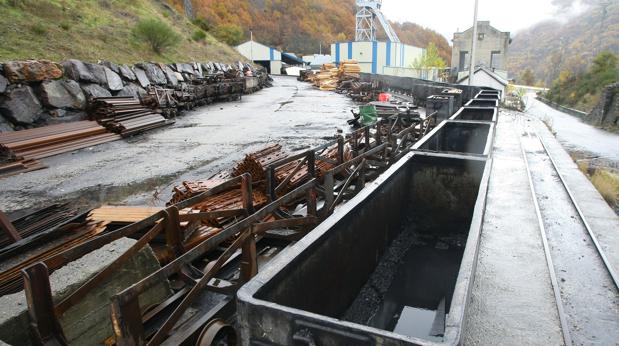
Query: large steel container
{"points": [[483, 103], [476, 114], [465, 137], [319, 291]]}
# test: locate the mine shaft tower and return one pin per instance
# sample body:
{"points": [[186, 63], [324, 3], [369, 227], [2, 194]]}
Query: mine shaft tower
{"points": [[367, 14]]}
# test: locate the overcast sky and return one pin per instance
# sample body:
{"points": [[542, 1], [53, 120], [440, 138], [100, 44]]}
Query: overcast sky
{"points": [[449, 16]]}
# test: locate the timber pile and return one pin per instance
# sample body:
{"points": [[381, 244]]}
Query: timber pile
{"points": [[33, 144], [330, 76], [257, 163], [125, 115], [121, 215]]}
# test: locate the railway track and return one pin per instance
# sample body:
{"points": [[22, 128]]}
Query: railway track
{"points": [[585, 285]]}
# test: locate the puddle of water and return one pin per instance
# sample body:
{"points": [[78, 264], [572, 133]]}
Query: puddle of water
{"points": [[420, 294]]}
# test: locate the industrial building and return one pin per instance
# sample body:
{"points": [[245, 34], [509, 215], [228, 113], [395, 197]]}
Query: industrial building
{"points": [[268, 57], [377, 57], [485, 77], [373, 56], [491, 49]]}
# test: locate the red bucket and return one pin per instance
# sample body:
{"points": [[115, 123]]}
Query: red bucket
{"points": [[384, 97]]}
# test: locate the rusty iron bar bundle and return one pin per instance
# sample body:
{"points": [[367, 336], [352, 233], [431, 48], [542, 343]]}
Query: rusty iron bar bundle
{"points": [[47, 141], [125, 115], [18, 167], [38, 221]]}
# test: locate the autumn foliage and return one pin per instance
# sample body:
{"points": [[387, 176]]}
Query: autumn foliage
{"points": [[302, 26]]}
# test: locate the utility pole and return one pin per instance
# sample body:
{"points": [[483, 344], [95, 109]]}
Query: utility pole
{"points": [[251, 44], [474, 46]]}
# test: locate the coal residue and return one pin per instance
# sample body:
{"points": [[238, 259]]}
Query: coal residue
{"points": [[410, 290]]}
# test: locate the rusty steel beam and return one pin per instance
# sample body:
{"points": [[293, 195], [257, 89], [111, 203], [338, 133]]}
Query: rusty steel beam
{"points": [[8, 228], [44, 325]]}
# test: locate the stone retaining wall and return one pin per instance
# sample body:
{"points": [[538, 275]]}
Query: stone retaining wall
{"points": [[40, 92], [606, 113]]}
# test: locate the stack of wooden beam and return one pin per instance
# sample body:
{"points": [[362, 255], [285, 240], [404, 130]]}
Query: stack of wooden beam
{"points": [[125, 115], [51, 140], [326, 78], [330, 76], [121, 214], [257, 163]]}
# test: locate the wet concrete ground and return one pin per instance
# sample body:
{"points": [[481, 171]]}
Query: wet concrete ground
{"points": [[142, 170], [575, 135]]}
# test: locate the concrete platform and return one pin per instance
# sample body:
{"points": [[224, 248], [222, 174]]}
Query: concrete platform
{"points": [[512, 301]]}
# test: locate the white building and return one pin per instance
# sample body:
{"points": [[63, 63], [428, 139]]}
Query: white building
{"points": [[485, 77], [266, 56], [388, 58], [317, 60]]}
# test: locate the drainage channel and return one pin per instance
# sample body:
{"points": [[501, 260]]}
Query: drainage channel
{"points": [[585, 285]]}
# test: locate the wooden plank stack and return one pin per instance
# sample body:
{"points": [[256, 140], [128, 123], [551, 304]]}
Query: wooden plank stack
{"points": [[125, 115], [121, 214], [33, 144], [330, 76]]}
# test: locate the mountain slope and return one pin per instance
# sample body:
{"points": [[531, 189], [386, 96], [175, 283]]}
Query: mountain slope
{"points": [[551, 47], [302, 26], [97, 30]]}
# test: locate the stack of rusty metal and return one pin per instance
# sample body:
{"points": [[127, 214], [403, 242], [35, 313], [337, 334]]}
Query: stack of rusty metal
{"points": [[23, 166], [33, 144], [39, 221], [73, 234], [125, 115], [256, 163], [189, 189]]}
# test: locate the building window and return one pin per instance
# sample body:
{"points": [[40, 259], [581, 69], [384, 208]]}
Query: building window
{"points": [[464, 60], [481, 36], [496, 59]]}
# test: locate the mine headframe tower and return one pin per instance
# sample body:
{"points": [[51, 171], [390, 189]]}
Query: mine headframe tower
{"points": [[367, 14]]}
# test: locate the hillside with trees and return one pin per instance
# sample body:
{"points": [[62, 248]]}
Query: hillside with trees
{"points": [[569, 46], [299, 26], [582, 90], [122, 31]]}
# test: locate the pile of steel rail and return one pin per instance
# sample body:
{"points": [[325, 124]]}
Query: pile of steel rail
{"points": [[125, 115], [36, 222], [44, 236], [33, 144], [17, 167], [256, 162]]}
